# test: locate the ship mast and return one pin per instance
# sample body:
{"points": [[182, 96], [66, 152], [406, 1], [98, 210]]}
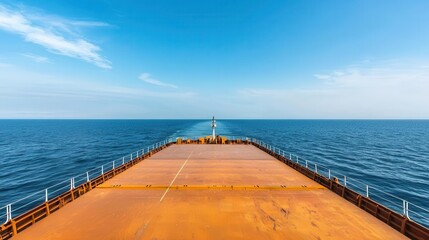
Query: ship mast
{"points": [[213, 129]]}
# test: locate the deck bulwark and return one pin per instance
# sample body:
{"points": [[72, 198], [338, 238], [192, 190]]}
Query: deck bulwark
{"points": [[210, 192]]}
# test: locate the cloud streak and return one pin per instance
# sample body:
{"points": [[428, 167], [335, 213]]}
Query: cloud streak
{"points": [[41, 32], [389, 89], [36, 58], [148, 79], [29, 94]]}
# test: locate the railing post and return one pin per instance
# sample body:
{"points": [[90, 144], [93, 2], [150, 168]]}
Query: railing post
{"points": [[367, 191], [102, 170], [8, 213], [87, 176], [71, 183], [131, 156], [46, 195], [315, 168], [407, 211], [113, 165], [329, 173], [123, 160], [405, 206], [345, 181]]}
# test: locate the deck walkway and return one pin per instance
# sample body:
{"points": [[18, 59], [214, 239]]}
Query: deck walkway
{"points": [[210, 192]]}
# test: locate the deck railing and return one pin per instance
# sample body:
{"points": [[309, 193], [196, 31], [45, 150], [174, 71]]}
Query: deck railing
{"points": [[92, 178], [20, 206], [399, 205], [396, 204]]}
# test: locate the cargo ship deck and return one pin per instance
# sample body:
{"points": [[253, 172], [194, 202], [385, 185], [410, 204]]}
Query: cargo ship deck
{"points": [[210, 191]]}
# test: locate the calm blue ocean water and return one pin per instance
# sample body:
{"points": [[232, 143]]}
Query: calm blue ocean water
{"points": [[391, 155]]}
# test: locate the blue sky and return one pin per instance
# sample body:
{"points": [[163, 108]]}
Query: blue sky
{"points": [[232, 59]]}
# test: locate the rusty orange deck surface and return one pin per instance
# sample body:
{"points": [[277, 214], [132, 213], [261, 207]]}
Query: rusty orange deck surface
{"points": [[210, 192]]}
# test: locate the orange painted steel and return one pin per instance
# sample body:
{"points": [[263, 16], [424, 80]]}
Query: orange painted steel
{"points": [[184, 192], [397, 221], [222, 187], [36, 214]]}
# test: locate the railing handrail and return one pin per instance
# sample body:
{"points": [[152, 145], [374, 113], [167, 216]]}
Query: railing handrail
{"points": [[405, 203], [10, 210], [126, 158]]}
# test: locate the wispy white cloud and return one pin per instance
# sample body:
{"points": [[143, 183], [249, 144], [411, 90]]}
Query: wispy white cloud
{"points": [[148, 79], [322, 76], [389, 89], [36, 58], [89, 24], [53, 34], [30, 94]]}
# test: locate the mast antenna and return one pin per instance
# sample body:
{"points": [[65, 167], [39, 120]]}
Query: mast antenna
{"points": [[213, 129]]}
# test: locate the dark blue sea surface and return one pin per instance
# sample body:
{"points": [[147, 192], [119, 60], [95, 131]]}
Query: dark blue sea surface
{"points": [[391, 156]]}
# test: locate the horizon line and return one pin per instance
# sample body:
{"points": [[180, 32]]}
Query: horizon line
{"points": [[303, 119]]}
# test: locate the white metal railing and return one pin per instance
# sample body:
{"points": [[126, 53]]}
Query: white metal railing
{"points": [[397, 204], [24, 204], [394, 203]]}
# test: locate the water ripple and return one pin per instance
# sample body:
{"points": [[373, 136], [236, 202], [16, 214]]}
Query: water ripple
{"points": [[390, 155]]}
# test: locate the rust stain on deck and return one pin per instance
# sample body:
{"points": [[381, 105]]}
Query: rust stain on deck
{"points": [[210, 192]]}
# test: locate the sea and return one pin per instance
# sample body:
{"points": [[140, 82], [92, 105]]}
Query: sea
{"points": [[391, 157]]}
